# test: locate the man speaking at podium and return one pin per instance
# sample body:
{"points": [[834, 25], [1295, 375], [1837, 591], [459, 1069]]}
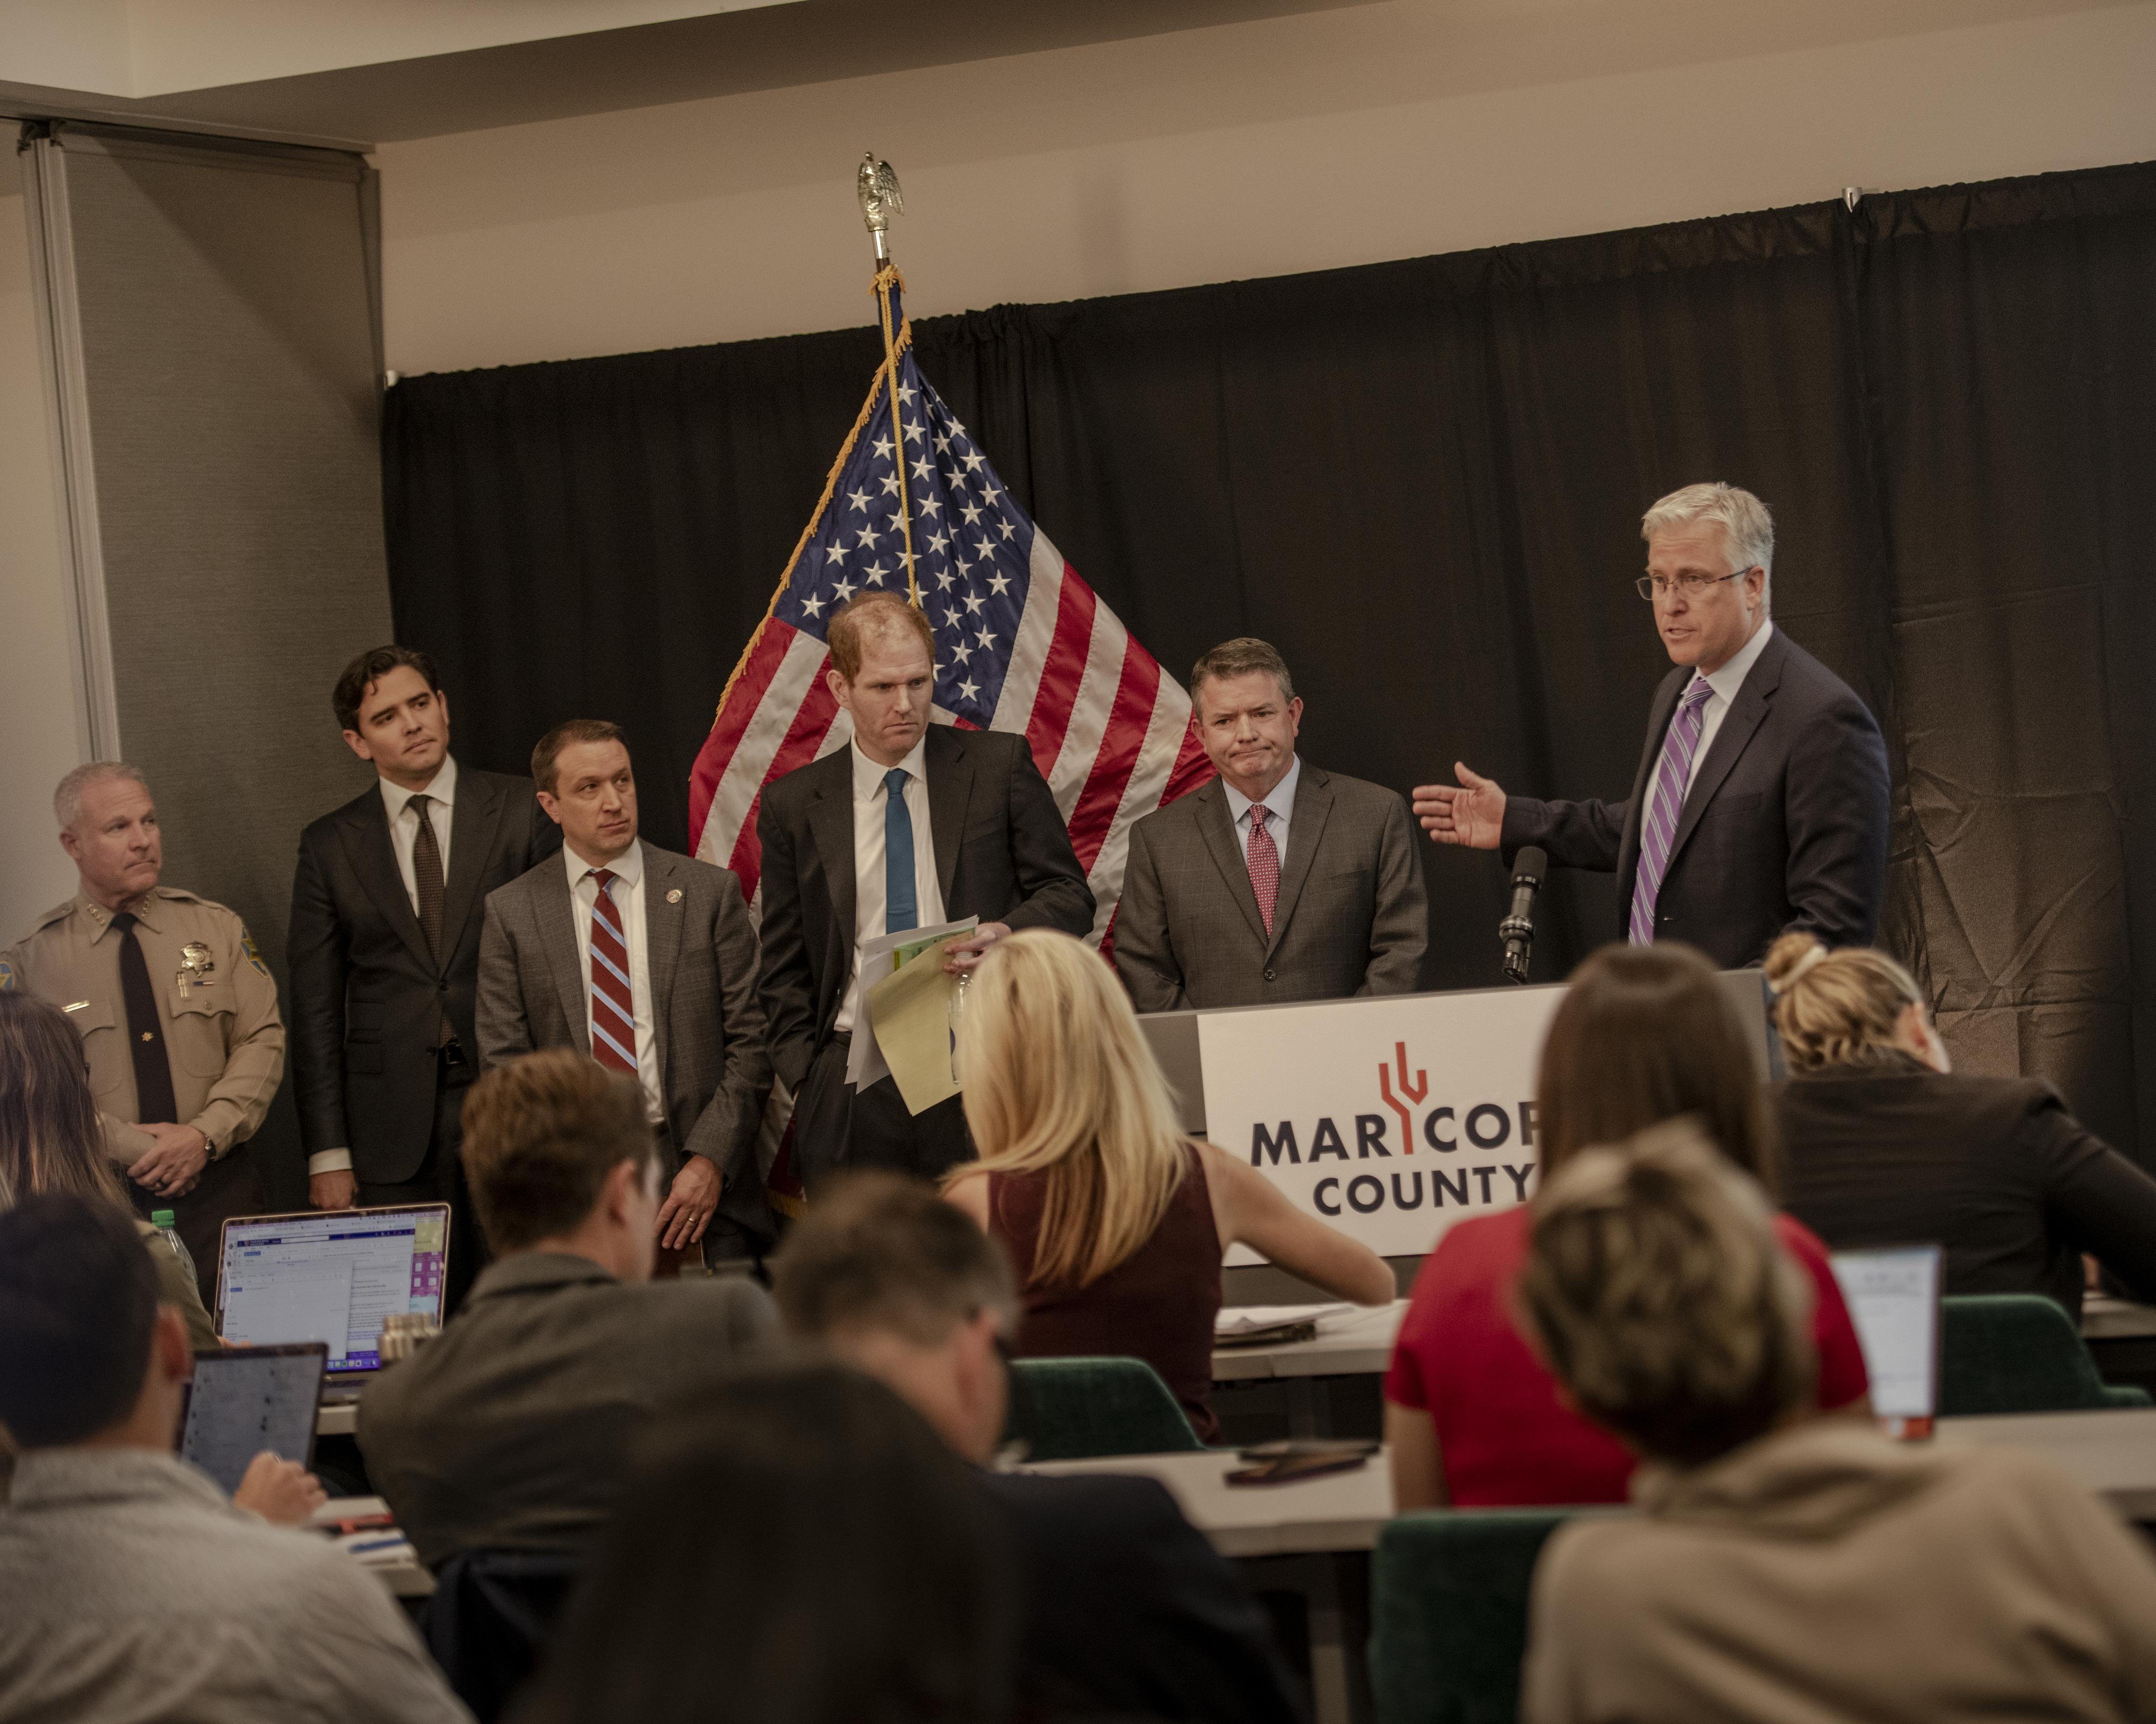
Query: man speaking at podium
{"points": [[1760, 801], [1276, 881]]}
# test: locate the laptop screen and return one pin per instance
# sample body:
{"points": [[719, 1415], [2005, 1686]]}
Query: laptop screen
{"points": [[331, 1276], [1893, 1299], [242, 1402]]}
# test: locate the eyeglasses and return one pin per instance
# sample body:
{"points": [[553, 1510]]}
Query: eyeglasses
{"points": [[1653, 587]]}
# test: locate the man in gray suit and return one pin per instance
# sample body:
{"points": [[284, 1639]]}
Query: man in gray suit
{"points": [[505, 1432], [1277, 880], [644, 961]]}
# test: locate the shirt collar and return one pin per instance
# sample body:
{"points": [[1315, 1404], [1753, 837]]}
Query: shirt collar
{"points": [[442, 789], [868, 776], [148, 914], [628, 867], [55, 1478], [1280, 802], [1726, 681], [524, 1270]]}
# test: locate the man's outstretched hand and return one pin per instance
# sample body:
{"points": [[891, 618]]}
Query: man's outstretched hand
{"points": [[1473, 815]]}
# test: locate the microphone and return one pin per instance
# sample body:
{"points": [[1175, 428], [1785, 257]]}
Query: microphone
{"points": [[1517, 929]]}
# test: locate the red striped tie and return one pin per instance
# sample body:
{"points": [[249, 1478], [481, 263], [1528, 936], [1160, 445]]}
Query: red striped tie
{"points": [[614, 1001]]}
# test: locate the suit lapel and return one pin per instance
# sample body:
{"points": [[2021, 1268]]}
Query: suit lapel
{"points": [[1218, 829], [950, 786], [475, 819], [663, 923], [374, 860], [1306, 827], [557, 939], [831, 824], [1746, 712]]}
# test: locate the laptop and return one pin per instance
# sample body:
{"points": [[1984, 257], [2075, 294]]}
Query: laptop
{"points": [[243, 1399], [331, 1276], [1892, 1293]]}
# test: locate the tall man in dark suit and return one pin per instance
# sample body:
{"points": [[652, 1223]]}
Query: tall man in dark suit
{"points": [[643, 961], [1277, 880], [907, 826], [1759, 804], [384, 949]]}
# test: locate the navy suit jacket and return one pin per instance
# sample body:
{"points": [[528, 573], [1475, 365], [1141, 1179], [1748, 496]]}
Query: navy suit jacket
{"points": [[1784, 827]]}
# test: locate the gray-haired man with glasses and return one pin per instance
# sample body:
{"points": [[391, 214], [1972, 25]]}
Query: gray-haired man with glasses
{"points": [[1759, 804]]}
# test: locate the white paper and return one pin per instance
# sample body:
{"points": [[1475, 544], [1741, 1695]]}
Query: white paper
{"points": [[1893, 1299], [1248, 1319], [864, 1061]]}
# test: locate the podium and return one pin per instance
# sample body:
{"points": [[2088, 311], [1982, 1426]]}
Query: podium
{"points": [[1390, 1118]]}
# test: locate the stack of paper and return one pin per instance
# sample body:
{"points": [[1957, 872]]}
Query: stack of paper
{"points": [[1241, 1320]]}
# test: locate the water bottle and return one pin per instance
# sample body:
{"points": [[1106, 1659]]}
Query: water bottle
{"points": [[162, 1219]]}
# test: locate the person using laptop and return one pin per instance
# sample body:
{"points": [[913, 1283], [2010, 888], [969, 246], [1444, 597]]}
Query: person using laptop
{"points": [[1126, 1611], [505, 1432], [1782, 1566], [130, 1587]]}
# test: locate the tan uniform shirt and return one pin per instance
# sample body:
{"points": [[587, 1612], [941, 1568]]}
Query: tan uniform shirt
{"points": [[218, 1008]]}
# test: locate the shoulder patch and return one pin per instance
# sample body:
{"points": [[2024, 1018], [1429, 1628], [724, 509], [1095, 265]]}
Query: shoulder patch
{"points": [[254, 952], [8, 980]]}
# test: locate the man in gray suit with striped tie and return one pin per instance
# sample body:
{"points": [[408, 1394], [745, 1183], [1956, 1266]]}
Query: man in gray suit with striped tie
{"points": [[645, 961], [1276, 881]]}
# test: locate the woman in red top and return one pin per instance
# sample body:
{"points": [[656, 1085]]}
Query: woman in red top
{"points": [[1645, 1034]]}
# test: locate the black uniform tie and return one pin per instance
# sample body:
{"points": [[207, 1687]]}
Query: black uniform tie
{"points": [[154, 1102], [426, 875]]}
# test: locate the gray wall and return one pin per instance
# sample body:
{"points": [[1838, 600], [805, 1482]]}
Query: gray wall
{"points": [[211, 316]]}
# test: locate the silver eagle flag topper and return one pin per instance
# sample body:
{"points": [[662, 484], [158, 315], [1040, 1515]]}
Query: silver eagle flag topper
{"points": [[877, 187]]}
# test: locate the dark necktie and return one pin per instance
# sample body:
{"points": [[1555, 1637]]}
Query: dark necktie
{"points": [[900, 910], [145, 1030], [613, 996], [1263, 861], [427, 875]]}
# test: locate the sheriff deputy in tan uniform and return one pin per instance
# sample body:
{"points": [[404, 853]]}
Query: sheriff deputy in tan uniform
{"points": [[177, 1011]]}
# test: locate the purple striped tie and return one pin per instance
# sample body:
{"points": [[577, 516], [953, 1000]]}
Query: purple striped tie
{"points": [[1680, 743]]}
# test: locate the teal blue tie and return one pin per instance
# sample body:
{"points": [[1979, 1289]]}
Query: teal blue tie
{"points": [[900, 910]]}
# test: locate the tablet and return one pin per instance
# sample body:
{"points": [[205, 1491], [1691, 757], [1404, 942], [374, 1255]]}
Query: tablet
{"points": [[245, 1399], [1892, 1293]]}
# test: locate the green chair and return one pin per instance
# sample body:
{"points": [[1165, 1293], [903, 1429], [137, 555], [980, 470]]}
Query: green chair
{"points": [[1448, 1612], [1077, 1409], [2018, 1352]]}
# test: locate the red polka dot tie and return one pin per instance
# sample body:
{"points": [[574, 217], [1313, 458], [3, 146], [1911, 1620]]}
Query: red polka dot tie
{"points": [[1264, 858]]}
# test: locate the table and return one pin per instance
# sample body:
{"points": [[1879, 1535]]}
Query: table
{"points": [[1354, 1344], [2111, 1454], [1297, 1536], [337, 1418]]}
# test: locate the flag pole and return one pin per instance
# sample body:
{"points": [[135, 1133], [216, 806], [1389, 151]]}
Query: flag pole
{"points": [[876, 187]]}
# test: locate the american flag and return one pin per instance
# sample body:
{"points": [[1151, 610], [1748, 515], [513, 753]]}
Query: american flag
{"points": [[1022, 644]]}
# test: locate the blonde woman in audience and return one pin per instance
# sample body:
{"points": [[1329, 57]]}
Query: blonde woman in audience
{"points": [[1784, 1567], [1473, 1418], [1884, 1144], [1116, 1222], [51, 1141]]}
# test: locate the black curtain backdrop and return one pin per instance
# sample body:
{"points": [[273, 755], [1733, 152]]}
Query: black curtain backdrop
{"points": [[1423, 480]]}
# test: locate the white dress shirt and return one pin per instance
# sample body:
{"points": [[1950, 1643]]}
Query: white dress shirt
{"points": [[404, 823], [628, 868], [1725, 683], [870, 813], [1279, 810], [404, 835]]}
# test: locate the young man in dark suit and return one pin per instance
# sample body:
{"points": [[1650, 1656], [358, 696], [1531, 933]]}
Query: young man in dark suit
{"points": [[1125, 1610], [909, 825], [1759, 805], [1276, 881], [383, 954], [643, 961]]}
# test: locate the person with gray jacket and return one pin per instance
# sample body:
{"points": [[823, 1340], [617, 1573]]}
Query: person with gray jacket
{"points": [[1277, 880], [644, 961], [506, 1431]]}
